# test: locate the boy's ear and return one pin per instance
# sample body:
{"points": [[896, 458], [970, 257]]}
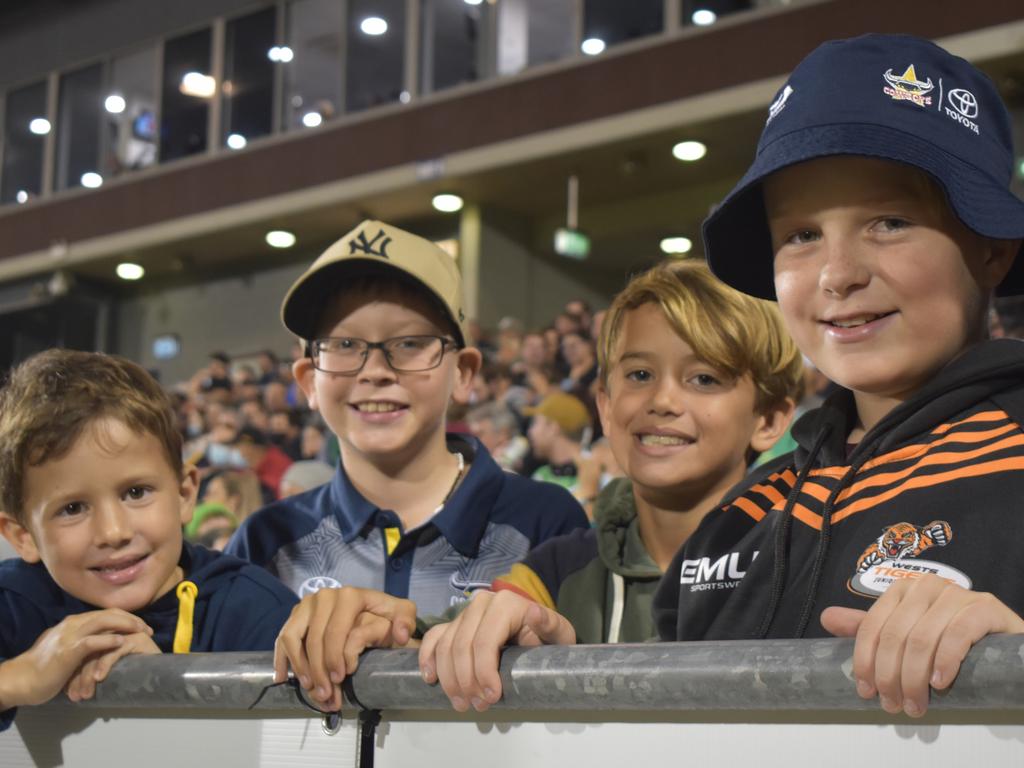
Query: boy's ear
{"points": [[19, 537], [188, 491], [772, 424], [999, 259], [467, 365], [304, 372]]}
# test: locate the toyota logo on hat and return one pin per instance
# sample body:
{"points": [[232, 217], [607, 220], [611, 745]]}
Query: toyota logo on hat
{"points": [[963, 102]]}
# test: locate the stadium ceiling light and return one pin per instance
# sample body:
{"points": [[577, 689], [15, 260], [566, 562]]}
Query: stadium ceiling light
{"points": [[128, 271], [676, 246], [280, 238], [22, 196], [280, 54], [447, 202], [592, 46], [689, 151], [373, 26], [114, 104], [199, 85], [702, 17], [91, 179], [236, 141], [40, 126], [312, 119]]}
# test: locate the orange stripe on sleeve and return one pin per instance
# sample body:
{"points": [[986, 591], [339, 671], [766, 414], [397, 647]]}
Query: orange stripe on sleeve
{"points": [[925, 481], [931, 460]]}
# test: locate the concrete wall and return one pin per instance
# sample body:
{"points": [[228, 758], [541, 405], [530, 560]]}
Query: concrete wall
{"points": [[516, 280], [238, 315]]}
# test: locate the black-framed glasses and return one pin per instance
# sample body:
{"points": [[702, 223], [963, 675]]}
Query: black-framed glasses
{"points": [[405, 354]]}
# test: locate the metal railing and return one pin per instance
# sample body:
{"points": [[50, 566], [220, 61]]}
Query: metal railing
{"points": [[741, 675]]}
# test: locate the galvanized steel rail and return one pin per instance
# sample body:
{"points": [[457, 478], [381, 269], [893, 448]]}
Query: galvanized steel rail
{"points": [[740, 675]]}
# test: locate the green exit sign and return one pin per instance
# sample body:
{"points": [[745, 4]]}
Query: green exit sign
{"points": [[571, 243]]}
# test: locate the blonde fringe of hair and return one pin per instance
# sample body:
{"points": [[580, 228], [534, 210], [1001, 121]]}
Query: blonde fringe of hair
{"points": [[733, 332]]}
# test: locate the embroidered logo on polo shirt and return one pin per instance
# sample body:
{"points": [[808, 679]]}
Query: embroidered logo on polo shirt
{"points": [[460, 582], [907, 87], [316, 583], [894, 556]]}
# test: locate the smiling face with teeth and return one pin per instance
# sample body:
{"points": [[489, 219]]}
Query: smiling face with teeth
{"points": [[381, 415], [105, 519], [679, 428], [879, 283]]}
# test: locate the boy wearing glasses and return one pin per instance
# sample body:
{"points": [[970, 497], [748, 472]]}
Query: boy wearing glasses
{"points": [[411, 511]]}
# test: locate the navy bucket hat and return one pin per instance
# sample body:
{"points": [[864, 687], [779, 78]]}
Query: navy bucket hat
{"points": [[893, 97]]}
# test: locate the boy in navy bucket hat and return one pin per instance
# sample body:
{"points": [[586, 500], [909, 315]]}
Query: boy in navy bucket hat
{"points": [[877, 212]]}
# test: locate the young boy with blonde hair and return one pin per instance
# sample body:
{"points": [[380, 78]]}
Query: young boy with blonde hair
{"points": [[695, 380], [878, 213], [93, 497]]}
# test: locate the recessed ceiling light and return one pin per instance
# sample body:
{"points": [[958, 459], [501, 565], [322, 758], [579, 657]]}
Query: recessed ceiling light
{"points": [[114, 104], [592, 46], [676, 245], [373, 26], [688, 151], [92, 180], [236, 141], [281, 54], [312, 119], [280, 238], [702, 17], [129, 271], [40, 126], [198, 84], [447, 203]]}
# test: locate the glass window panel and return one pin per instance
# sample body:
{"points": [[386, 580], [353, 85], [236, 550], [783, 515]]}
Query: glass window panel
{"points": [[78, 128], [532, 32], [188, 87], [453, 43], [374, 64], [248, 77], [22, 175], [312, 71], [129, 106], [696, 12], [613, 21]]}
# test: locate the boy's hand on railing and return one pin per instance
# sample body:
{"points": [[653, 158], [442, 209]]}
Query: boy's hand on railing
{"points": [[82, 684], [41, 672], [326, 632], [463, 655], [916, 636]]}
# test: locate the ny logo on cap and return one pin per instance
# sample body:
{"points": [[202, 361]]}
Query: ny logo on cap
{"points": [[361, 244]]}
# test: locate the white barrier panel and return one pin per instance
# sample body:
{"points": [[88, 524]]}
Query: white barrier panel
{"points": [[778, 703]]}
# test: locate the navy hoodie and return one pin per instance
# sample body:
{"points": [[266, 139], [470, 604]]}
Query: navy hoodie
{"points": [[239, 607]]}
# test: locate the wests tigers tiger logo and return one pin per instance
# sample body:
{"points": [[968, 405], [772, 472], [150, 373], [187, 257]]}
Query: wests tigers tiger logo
{"points": [[905, 540], [896, 556]]}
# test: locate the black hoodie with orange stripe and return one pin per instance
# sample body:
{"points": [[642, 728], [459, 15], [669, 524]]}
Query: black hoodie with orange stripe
{"points": [[935, 487]]}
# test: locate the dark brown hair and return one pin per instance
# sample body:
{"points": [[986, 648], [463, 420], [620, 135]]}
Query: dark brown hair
{"points": [[51, 398]]}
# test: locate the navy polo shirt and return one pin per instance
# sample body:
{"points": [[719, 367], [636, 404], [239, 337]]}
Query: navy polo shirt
{"points": [[332, 536]]}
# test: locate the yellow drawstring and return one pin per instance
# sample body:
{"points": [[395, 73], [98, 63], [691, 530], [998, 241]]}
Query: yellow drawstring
{"points": [[186, 593]]}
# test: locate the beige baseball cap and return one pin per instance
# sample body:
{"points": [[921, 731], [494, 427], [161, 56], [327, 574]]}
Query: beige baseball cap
{"points": [[374, 248]]}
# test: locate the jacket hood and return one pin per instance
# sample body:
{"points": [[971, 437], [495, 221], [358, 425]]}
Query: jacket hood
{"points": [[983, 370], [618, 533]]}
